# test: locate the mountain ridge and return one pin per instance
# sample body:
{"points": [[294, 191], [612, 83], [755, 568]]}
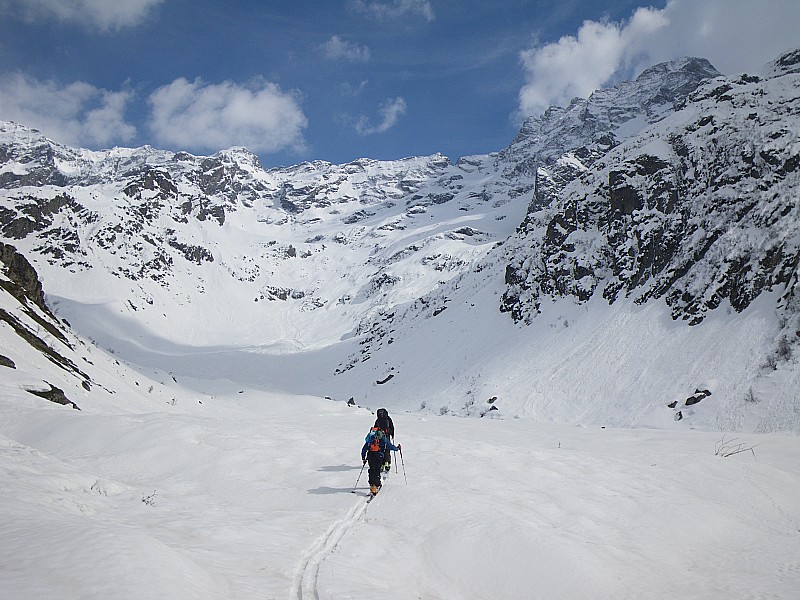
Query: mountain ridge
{"points": [[644, 192]]}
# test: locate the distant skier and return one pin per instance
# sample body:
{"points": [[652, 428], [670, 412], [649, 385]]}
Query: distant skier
{"points": [[376, 445], [385, 424]]}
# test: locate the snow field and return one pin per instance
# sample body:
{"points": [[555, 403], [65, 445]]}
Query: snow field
{"points": [[555, 512], [249, 496]]}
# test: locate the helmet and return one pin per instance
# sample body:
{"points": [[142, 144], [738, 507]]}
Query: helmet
{"points": [[382, 413]]}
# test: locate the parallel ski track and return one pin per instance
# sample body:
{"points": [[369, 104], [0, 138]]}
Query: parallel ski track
{"points": [[304, 586]]}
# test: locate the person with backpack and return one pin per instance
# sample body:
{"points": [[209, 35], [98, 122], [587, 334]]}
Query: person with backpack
{"points": [[376, 445], [385, 424]]}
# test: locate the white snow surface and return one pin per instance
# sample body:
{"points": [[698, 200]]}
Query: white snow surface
{"points": [[249, 496], [155, 489]]}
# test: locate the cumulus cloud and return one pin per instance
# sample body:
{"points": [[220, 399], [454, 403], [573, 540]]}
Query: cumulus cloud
{"points": [[200, 115], [338, 49], [77, 114], [385, 11], [735, 35], [104, 15], [578, 65], [390, 111]]}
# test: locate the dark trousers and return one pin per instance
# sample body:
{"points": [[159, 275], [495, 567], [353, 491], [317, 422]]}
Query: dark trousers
{"points": [[375, 460]]}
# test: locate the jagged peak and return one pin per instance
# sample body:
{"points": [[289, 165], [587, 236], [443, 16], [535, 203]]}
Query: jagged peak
{"points": [[661, 83], [655, 90], [786, 64], [687, 64], [12, 132], [18, 129], [241, 156]]}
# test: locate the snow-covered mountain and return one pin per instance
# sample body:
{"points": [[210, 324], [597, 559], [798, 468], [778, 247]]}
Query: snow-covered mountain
{"points": [[153, 490], [622, 256], [699, 208], [170, 325]]}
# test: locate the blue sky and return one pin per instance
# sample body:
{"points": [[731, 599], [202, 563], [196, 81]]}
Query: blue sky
{"points": [[342, 79]]}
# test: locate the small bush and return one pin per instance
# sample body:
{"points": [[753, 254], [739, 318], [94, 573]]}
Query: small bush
{"points": [[784, 350], [750, 397], [727, 448]]}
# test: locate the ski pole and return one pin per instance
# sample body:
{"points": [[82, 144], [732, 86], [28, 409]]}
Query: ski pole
{"points": [[363, 464], [396, 468], [404, 464]]}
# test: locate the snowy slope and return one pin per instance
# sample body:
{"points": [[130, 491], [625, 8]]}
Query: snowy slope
{"points": [[249, 496], [154, 490]]}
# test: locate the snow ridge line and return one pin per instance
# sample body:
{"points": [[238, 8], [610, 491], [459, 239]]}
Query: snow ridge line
{"points": [[304, 586]]}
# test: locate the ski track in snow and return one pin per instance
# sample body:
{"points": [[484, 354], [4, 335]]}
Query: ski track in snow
{"points": [[304, 586]]}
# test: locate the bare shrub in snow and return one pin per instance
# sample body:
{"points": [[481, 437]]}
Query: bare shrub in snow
{"points": [[727, 448], [784, 350], [750, 397]]}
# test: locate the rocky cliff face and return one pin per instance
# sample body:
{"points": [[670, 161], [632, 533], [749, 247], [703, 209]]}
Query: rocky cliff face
{"points": [[700, 208], [22, 277], [31, 319], [550, 147]]}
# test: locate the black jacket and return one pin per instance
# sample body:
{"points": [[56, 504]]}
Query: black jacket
{"points": [[386, 425]]}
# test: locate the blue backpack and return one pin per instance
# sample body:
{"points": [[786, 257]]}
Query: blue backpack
{"points": [[374, 438]]}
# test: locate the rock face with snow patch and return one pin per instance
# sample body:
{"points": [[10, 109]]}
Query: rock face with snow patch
{"points": [[30, 318], [552, 148], [24, 282], [699, 208]]}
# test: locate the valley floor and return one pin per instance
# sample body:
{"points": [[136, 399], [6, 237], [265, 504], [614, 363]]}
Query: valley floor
{"points": [[249, 496]]}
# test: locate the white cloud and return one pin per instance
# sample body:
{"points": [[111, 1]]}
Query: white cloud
{"points": [[77, 114], [338, 49], [105, 15], [390, 111], [199, 115], [392, 10], [576, 66], [349, 90], [735, 35]]}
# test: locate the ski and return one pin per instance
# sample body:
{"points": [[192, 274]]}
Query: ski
{"points": [[373, 496]]}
